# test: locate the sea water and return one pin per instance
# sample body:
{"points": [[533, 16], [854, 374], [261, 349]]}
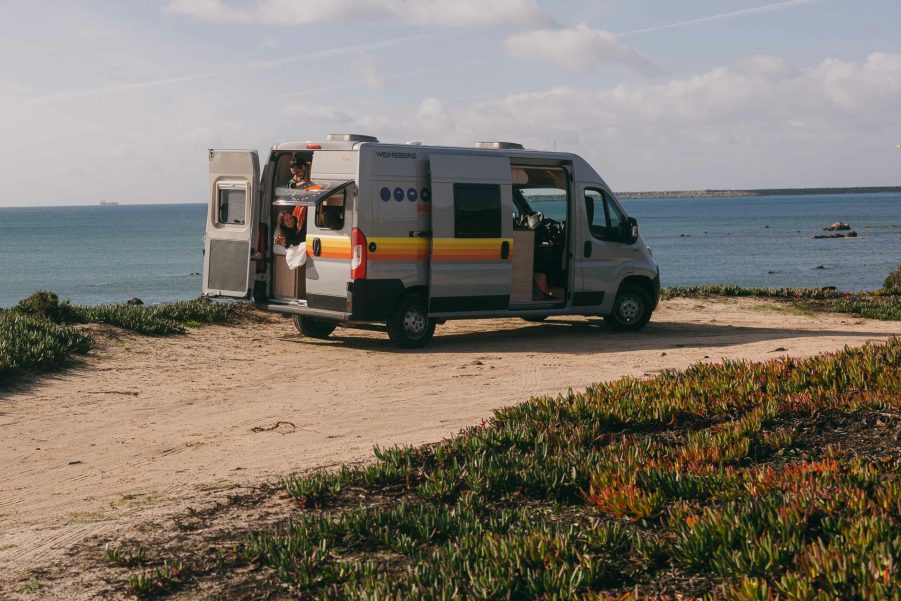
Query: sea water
{"points": [[104, 254]]}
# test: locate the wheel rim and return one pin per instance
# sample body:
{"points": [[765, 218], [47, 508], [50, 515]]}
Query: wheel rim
{"points": [[629, 309], [414, 323]]}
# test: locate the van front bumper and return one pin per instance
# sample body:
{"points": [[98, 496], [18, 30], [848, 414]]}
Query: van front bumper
{"points": [[656, 281]]}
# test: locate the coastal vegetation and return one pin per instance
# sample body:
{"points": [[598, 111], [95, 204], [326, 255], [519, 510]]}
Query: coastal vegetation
{"points": [[740, 480], [882, 304], [893, 281], [41, 332]]}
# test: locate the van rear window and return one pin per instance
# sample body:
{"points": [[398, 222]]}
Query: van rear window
{"points": [[232, 202], [330, 212], [477, 211]]}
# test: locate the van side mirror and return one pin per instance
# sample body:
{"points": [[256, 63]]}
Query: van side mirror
{"points": [[630, 231]]}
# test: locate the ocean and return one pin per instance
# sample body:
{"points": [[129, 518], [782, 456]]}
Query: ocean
{"points": [[105, 254]]}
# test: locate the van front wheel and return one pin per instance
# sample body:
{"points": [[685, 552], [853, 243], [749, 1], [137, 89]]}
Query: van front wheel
{"points": [[311, 328], [410, 326], [631, 309]]}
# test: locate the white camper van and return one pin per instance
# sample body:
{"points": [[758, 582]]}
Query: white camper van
{"points": [[411, 236]]}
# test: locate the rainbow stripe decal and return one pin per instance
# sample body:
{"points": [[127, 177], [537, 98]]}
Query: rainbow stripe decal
{"points": [[333, 247], [399, 249], [469, 249], [415, 249]]}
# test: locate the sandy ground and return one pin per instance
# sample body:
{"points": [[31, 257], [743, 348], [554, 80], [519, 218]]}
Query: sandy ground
{"points": [[146, 426]]}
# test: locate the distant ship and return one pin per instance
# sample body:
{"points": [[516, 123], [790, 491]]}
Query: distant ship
{"points": [[108, 203]]}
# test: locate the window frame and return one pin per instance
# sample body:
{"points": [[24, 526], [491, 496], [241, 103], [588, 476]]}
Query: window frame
{"points": [[317, 216], [495, 234], [227, 186], [606, 199]]}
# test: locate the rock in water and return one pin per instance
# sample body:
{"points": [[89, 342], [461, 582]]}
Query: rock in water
{"points": [[837, 226], [134, 301]]}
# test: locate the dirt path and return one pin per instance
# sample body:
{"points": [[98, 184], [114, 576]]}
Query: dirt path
{"points": [[147, 425]]}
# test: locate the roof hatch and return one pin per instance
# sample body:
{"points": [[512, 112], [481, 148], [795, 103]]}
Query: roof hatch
{"points": [[351, 138], [500, 145]]}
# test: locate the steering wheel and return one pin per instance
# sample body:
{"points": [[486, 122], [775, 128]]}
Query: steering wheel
{"points": [[549, 230]]}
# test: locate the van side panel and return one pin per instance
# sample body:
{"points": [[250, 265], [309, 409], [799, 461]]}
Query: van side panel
{"points": [[399, 197]]}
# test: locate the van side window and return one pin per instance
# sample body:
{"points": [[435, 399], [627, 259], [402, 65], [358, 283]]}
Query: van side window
{"points": [[477, 211], [231, 204], [615, 218], [605, 220], [330, 212]]}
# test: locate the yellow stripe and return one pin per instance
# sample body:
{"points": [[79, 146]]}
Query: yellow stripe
{"points": [[469, 249], [333, 247], [394, 244]]}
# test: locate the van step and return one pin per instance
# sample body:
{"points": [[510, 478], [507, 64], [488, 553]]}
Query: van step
{"points": [[551, 304]]}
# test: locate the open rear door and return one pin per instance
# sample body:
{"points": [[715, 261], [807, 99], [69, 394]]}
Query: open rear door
{"points": [[472, 230], [231, 226]]}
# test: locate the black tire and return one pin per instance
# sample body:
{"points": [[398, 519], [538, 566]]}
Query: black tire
{"points": [[631, 309], [312, 328], [536, 319], [410, 326]]}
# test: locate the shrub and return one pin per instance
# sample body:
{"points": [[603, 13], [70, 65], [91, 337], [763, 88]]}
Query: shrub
{"points": [[33, 343], [892, 282], [47, 305]]}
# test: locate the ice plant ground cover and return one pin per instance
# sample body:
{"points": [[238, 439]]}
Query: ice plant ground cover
{"points": [[38, 334], [735, 480]]}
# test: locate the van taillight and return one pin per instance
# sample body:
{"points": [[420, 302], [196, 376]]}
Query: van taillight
{"points": [[262, 236], [358, 255]]}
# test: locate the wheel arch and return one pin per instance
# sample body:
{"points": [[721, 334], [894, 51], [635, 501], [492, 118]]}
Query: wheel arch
{"points": [[645, 283]]}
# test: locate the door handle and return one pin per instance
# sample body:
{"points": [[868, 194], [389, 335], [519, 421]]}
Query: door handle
{"points": [[505, 249], [586, 249], [317, 247]]}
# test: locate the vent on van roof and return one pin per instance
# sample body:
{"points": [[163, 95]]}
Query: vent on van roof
{"points": [[351, 138], [500, 145]]}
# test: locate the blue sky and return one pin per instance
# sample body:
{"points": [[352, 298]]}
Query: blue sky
{"points": [[119, 101]]}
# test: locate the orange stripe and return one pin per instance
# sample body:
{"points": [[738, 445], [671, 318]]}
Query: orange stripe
{"points": [[465, 258], [390, 256]]}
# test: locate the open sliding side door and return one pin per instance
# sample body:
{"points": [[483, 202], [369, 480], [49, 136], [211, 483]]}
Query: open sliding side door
{"points": [[231, 226], [472, 234]]}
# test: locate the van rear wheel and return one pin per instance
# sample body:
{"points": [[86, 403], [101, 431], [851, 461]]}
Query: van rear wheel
{"points": [[312, 328], [631, 309], [410, 326]]}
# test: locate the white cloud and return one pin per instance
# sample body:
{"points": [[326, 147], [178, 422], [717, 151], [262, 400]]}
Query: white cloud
{"points": [[449, 13], [581, 48], [760, 123], [313, 113]]}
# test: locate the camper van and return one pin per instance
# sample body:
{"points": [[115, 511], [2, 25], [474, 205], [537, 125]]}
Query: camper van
{"points": [[350, 231]]}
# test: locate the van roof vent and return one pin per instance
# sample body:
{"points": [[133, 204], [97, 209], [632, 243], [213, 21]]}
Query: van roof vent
{"points": [[351, 138], [500, 145]]}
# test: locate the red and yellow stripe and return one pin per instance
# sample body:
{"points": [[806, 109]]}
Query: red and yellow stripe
{"points": [[415, 249], [399, 249], [333, 247], [469, 249]]}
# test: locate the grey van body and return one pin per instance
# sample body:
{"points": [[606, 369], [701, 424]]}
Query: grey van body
{"points": [[385, 222]]}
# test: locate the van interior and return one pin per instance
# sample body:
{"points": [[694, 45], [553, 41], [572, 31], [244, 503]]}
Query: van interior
{"points": [[287, 284], [540, 209]]}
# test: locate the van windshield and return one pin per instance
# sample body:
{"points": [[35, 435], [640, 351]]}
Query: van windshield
{"points": [[312, 194]]}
